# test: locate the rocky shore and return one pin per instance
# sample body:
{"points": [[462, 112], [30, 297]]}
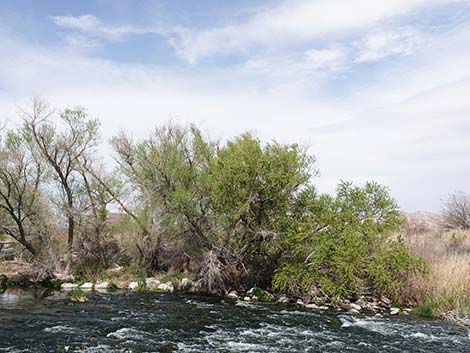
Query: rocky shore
{"points": [[365, 304], [21, 275]]}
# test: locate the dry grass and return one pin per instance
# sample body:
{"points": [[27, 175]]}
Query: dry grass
{"points": [[11, 268], [447, 285]]}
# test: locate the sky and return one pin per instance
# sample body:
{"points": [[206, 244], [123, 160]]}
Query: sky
{"points": [[377, 90]]}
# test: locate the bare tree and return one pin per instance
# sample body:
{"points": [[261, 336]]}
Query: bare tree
{"points": [[21, 205], [456, 211], [61, 140]]}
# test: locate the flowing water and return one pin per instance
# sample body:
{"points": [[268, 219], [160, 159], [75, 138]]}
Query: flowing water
{"points": [[151, 322]]}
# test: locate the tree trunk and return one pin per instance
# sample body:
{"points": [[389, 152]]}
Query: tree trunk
{"points": [[71, 229], [28, 246]]}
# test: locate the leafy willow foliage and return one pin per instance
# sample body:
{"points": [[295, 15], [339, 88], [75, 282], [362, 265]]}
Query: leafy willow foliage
{"points": [[343, 244], [251, 209]]}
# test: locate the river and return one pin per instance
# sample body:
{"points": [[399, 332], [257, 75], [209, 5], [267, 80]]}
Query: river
{"points": [[152, 322]]}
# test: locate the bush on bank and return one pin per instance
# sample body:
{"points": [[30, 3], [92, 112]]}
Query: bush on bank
{"points": [[341, 244]]}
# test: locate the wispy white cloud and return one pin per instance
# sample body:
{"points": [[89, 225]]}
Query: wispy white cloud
{"points": [[292, 22], [88, 30], [383, 43], [328, 59], [304, 70], [84, 23]]}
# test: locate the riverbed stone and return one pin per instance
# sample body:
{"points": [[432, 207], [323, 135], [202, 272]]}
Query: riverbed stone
{"points": [[247, 299], [102, 286], [283, 299], [361, 301], [373, 306], [385, 300], [152, 283], [68, 286], [311, 306], [166, 287], [394, 311], [233, 295], [133, 285], [355, 306], [86, 286], [351, 306]]}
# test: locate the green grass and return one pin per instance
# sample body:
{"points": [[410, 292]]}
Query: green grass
{"points": [[78, 295], [428, 309], [434, 307], [173, 277]]}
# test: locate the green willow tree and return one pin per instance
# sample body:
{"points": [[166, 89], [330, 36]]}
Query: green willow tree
{"points": [[252, 188], [343, 244]]}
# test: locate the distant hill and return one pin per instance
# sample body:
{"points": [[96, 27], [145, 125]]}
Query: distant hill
{"points": [[425, 220]]}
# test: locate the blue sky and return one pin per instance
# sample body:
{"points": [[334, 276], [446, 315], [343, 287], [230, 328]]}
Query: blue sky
{"points": [[376, 89]]}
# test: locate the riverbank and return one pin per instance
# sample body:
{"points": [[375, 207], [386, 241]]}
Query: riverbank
{"points": [[21, 275]]}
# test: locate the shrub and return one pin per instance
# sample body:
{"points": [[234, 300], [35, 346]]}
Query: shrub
{"points": [[343, 244]]}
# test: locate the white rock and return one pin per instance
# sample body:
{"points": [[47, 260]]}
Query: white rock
{"points": [[311, 306], [323, 307], [355, 306], [394, 311], [351, 306], [283, 299], [300, 302], [68, 286], [133, 285], [247, 299], [166, 287], [87, 286], [233, 294], [354, 311], [102, 286], [385, 300], [152, 283]]}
